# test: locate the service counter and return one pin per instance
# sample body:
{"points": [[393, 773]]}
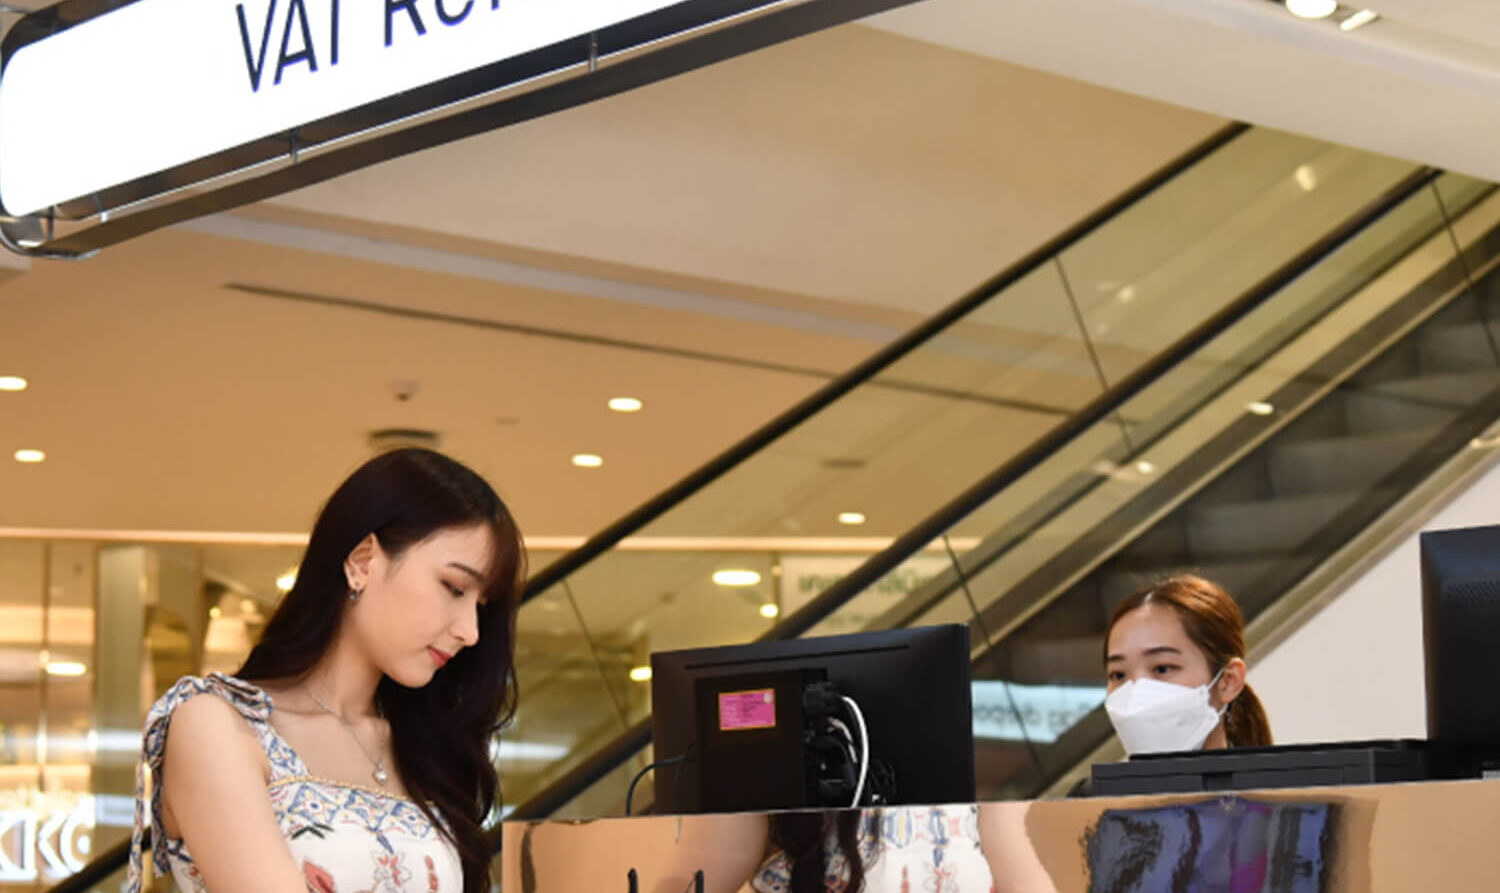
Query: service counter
{"points": [[1407, 838]]}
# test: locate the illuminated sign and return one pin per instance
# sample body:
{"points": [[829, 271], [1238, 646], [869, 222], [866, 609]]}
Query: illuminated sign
{"points": [[158, 83], [121, 117], [48, 841]]}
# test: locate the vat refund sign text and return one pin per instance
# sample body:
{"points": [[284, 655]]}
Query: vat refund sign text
{"points": [[159, 83]]}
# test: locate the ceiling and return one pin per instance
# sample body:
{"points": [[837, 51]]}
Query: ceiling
{"points": [[719, 245], [1421, 83]]}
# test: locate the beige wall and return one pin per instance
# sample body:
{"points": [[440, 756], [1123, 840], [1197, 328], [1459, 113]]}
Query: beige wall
{"points": [[1354, 672]]}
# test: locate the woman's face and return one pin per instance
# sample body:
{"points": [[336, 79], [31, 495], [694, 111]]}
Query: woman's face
{"points": [[1151, 643], [421, 608]]}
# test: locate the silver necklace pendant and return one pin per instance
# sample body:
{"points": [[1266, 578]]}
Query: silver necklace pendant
{"points": [[379, 773]]}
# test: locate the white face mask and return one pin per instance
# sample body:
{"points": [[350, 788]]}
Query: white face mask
{"points": [[1152, 716]]}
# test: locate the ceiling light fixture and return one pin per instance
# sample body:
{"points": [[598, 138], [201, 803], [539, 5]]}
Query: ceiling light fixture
{"points": [[1312, 9], [12, 383], [1259, 407], [1359, 20], [30, 457], [588, 460], [215, 612], [1126, 294], [640, 674], [770, 611], [625, 404], [1145, 467], [736, 578], [853, 519], [1306, 177], [286, 581], [66, 668]]}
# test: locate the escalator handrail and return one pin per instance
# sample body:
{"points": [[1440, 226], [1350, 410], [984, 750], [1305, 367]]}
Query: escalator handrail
{"points": [[99, 870], [721, 464], [591, 770]]}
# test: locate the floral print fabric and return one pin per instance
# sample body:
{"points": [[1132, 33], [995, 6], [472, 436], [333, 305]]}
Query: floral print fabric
{"points": [[910, 850], [345, 838]]}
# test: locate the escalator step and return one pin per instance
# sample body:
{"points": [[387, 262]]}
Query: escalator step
{"points": [[1342, 464]]}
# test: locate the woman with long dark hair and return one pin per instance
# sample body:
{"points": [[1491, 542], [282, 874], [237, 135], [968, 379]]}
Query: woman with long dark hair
{"points": [[352, 751]]}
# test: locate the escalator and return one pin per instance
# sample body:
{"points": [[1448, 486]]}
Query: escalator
{"points": [[1253, 450], [1073, 426]]}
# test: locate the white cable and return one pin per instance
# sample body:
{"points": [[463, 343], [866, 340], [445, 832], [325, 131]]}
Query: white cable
{"points": [[864, 748], [851, 748]]}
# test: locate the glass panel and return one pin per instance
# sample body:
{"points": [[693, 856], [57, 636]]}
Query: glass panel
{"points": [[576, 693], [976, 395], [1202, 397], [66, 834], [242, 585], [1170, 261], [1337, 458], [23, 721]]}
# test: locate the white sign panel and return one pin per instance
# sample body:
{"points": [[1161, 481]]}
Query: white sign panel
{"points": [[1006, 711], [160, 83], [803, 577]]}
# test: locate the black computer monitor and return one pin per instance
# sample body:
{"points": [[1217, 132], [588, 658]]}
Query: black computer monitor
{"points": [[746, 714], [1461, 636]]}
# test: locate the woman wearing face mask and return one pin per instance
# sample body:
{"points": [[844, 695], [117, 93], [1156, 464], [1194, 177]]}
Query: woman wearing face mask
{"points": [[1175, 663], [352, 751]]}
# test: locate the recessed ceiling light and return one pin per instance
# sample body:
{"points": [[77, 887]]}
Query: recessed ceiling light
{"points": [[214, 612], [12, 383], [1359, 20], [769, 611], [66, 668], [736, 578], [1126, 294], [1145, 467], [30, 456], [1312, 9], [625, 404], [640, 674], [851, 518], [286, 581], [1259, 407], [1306, 177], [588, 460]]}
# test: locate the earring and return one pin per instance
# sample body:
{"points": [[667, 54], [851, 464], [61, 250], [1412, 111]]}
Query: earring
{"points": [[354, 593]]}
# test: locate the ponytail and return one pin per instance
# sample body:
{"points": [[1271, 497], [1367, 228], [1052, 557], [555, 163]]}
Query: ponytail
{"points": [[1214, 623], [1245, 722]]}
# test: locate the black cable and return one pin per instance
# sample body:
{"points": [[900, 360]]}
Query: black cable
{"points": [[687, 757], [679, 760]]}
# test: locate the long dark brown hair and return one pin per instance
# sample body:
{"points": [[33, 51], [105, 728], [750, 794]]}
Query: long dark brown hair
{"points": [[804, 838], [1214, 623], [440, 733]]}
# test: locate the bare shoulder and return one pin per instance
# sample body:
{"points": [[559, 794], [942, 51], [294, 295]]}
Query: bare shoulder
{"points": [[209, 744], [208, 721]]}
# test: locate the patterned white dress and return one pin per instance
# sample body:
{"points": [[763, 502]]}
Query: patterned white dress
{"points": [[345, 838], [912, 849]]}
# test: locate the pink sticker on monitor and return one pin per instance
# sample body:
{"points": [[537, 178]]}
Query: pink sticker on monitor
{"points": [[747, 710]]}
